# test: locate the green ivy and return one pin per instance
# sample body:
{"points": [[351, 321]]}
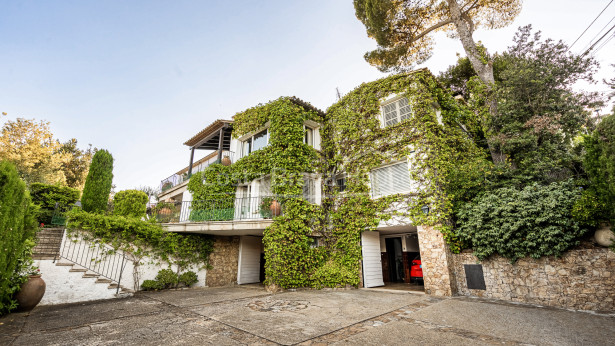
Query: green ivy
{"points": [[143, 238]]}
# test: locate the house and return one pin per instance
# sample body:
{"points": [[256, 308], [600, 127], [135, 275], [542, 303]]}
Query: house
{"points": [[313, 198]]}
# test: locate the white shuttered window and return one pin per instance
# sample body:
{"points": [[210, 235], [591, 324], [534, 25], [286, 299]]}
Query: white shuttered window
{"points": [[390, 180], [396, 111]]}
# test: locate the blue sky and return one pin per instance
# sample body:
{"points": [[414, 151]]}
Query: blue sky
{"points": [[140, 77]]}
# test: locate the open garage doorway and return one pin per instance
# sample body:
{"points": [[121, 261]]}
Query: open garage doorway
{"points": [[392, 260]]}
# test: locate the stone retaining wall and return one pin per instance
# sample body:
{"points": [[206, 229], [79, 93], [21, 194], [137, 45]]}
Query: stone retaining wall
{"points": [[224, 261], [581, 279], [437, 262]]}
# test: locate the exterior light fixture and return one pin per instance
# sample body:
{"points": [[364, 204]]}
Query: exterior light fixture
{"points": [[425, 209]]}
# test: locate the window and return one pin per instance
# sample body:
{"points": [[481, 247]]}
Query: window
{"points": [[396, 112], [390, 180], [256, 142], [309, 189], [340, 182], [308, 137]]}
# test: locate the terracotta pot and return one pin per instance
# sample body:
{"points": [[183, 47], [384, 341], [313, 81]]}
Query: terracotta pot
{"points": [[275, 207], [226, 161], [31, 293], [164, 211]]}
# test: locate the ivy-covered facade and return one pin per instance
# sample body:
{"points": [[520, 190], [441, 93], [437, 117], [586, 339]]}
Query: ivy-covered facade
{"points": [[341, 198]]}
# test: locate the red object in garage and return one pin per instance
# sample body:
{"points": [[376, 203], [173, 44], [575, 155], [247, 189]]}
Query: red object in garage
{"points": [[416, 270]]}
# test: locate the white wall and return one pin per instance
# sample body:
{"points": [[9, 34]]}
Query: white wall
{"points": [[64, 286]]}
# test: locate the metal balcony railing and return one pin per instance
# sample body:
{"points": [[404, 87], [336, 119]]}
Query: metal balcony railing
{"points": [[222, 209], [177, 179]]}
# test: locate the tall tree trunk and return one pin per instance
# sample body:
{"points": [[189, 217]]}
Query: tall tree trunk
{"points": [[483, 68]]}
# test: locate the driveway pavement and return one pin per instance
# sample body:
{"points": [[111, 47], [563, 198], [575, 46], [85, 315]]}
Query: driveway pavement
{"points": [[240, 315]]}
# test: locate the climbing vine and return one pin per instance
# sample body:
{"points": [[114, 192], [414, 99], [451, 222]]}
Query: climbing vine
{"points": [[436, 140]]}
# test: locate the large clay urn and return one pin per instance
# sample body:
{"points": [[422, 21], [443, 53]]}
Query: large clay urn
{"points": [[31, 293], [275, 207], [226, 161]]}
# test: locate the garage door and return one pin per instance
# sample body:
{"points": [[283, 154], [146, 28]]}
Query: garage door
{"points": [[249, 260], [372, 267]]}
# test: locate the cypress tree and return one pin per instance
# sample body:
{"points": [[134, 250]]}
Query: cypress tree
{"points": [[98, 183], [17, 223]]}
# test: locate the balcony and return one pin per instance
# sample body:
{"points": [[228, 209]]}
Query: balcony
{"points": [[182, 176], [223, 209]]}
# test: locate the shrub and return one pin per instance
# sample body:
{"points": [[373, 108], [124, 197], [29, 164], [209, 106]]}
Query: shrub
{"points": [[534, 221], [46, 196], [212, 214], [151, 285], [188, 278], [130, 203], [167, 278], [98, 183], [599, 163], [17, 227]]}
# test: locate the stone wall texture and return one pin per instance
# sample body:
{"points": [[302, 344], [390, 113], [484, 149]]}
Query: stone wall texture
{"points": [[437, 262], [224, 261], [582, 279]]}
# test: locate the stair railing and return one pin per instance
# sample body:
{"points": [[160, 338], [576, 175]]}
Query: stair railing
{"points": [[98, 258]]}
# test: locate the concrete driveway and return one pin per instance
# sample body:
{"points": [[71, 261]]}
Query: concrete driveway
{"points": [[240, 315]]}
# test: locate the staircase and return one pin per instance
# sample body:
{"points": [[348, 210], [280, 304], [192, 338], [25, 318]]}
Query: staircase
{"points": [[87, 274], [56, 252], [48, 244]]}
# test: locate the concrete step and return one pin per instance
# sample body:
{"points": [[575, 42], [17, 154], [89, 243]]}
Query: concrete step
{"points": [[90, 275], [66, 264], [103, 281], [78, 270]]}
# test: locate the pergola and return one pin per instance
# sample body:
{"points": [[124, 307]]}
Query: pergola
{"points": [[216, 136]]}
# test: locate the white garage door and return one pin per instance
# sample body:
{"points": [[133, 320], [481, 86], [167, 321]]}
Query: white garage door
{"points": [[372, 266], [249, 260]]}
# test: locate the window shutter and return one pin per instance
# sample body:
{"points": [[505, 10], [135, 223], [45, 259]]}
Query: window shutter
{"points": [[391, 180]]}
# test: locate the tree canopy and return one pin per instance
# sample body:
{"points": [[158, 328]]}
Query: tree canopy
{"points": [[404, 29], [30, 146]]}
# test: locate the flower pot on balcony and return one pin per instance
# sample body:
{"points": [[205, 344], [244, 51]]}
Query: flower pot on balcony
{"points": [[226, 161], [31, 293], [275, 207]]}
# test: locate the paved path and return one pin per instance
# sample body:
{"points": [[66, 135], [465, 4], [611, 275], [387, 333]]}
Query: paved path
{"points": [[235, 316]]}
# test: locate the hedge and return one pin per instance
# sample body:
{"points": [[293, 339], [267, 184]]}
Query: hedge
{"points": [[46, 196], [131, 203], [17, 228]]}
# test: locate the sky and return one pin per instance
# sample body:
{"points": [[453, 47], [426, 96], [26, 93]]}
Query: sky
{"points": [[139, 78]]}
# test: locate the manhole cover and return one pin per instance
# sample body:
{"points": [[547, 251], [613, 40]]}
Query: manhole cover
{"points": [[277, 305]]}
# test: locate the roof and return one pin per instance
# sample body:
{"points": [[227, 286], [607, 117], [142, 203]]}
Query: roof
{"points": [[207, 133], [305, 104]]}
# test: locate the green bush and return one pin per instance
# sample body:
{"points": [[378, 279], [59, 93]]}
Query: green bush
{"points": [[132, 203], [534, 221], [46, 196], [98, 183], [151, 285], [188, 278], [167, 278], [212, 214], [599, 163], [17, 228]]}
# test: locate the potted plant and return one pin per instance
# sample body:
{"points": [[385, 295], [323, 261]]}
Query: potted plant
{"points": [[32, 291]]}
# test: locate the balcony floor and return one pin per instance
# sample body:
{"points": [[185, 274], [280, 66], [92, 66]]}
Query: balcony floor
{"points": [[222, 228]]}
